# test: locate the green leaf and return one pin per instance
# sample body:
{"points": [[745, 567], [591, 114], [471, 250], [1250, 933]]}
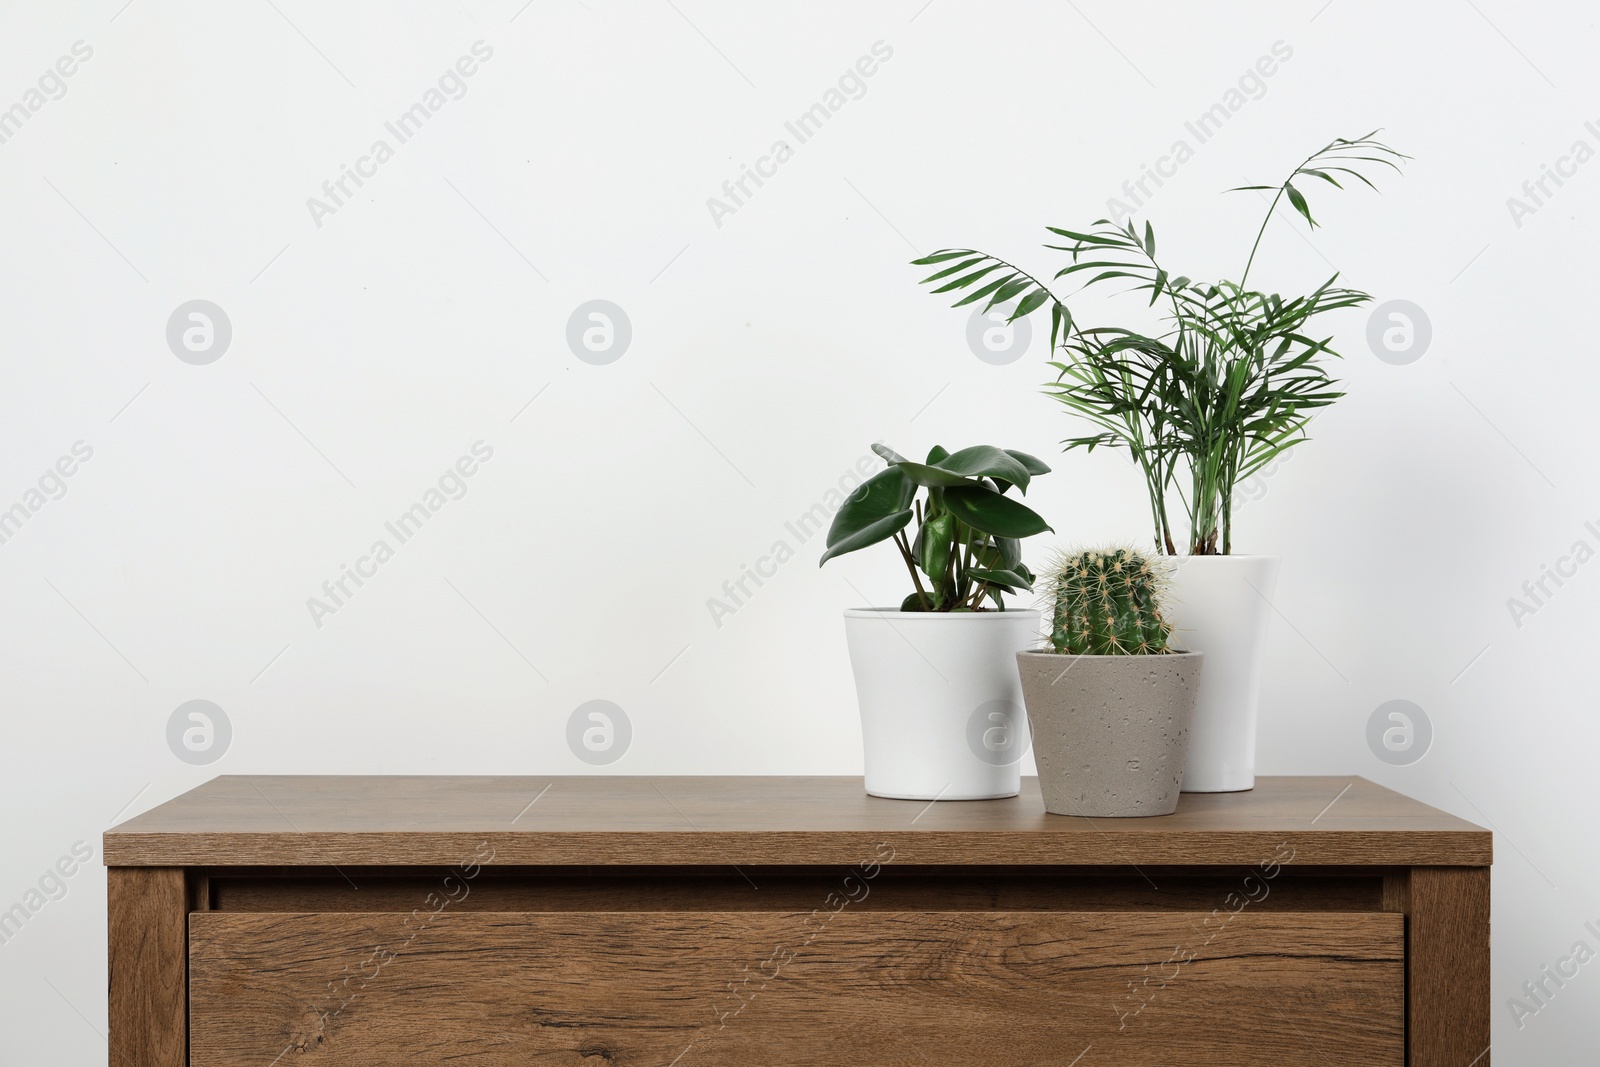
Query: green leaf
{"points": [[1064, 315], [988, 512], [1157, 286], [1299, 203], [1011, 580], [983, 291], [986, 461], [966, 279], [885, 494], [971, 261], [1082, 238], [1010, 289], [931, 477], [940, 256], [865, 536], [887, 454], [936, 537], [1035, 466], [936, 454], [1029, 304]]}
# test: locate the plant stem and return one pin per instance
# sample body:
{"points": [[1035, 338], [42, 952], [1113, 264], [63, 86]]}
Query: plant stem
{"points": [[904, 546], [960, 559], [1270, 209]]}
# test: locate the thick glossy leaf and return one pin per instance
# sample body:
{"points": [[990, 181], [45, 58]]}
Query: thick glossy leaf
{"points": [[1010, 550], [986, 461], [988, 511], [932, 477], [936, 454], [871, 534], [1009, 579], [888, 454], [1034, 466], [889, 492], [935, 539]]}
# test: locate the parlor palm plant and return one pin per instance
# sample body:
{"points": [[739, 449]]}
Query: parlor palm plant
{"points": [[1229, 381]]}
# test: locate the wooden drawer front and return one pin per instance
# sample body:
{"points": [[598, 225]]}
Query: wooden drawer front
{"points": [[497, 989]]}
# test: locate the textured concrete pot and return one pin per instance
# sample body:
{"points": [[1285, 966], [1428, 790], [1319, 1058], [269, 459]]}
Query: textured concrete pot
{"points": [[1110, 733]]}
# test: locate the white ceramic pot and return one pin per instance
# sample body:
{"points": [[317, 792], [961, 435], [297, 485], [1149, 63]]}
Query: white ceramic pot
{"points": [[1221, 605], [941, 703]]}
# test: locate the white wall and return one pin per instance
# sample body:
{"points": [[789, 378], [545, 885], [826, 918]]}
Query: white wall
{"points": [[371, 351]]}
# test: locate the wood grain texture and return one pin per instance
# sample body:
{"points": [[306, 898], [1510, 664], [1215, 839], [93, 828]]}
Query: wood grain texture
{"points": [[539, 890], [482, 989], [254, 821], [1448, 967], [147, 959]]}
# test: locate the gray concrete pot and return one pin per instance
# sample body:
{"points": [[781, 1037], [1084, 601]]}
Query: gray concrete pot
{"points": [[1110, 733]]}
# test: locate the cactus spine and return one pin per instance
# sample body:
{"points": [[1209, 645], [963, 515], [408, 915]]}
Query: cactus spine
{"points": [[1107, 603]]}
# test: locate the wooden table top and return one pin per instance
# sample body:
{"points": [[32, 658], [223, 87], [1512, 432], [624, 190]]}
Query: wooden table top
{"points": [[322, 821]]}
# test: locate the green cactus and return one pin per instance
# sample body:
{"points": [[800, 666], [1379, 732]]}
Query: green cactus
{"points": [[1107, 603]]}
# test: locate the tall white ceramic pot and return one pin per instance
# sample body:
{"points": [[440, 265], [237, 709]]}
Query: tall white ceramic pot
{"points": [[941, 702], [1221, 605]]}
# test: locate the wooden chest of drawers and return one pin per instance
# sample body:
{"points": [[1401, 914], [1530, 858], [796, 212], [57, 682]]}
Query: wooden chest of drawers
{"points": [[491, 922]]}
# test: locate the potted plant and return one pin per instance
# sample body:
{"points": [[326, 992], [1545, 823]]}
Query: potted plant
{"points": [[1222, 384], [936, 676], [1109, 702]]}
